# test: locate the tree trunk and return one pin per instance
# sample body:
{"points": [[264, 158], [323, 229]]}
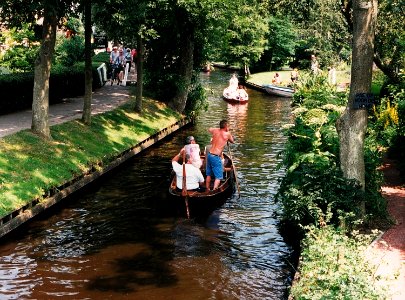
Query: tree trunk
{"points": [[185, 71], [139, 74], [353, 122], [88, 73], [40, 102]]}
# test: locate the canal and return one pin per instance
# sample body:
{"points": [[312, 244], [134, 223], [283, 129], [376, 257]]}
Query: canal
{"points": [[116, 240]]}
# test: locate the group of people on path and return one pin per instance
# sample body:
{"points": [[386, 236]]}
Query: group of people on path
{"points": [[119, 58], [214, 163]]}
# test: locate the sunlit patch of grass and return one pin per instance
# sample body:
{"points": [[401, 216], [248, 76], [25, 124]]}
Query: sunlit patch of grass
{"points": [[266, 77], [29, 166]]}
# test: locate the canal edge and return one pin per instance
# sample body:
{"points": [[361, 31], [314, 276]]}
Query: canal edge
{"points": [[24, 214]]}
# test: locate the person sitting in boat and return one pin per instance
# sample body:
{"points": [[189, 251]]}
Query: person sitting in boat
{"points": [[276, 79], [241, 92], [193, 150], [194, 177]]}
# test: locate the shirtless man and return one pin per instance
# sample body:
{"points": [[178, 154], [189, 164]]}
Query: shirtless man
{"points": [[220, 137]]}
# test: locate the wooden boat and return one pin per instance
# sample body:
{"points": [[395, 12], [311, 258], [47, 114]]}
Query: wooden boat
{"points": [[204, 203], [233, 97], [277, 90]]}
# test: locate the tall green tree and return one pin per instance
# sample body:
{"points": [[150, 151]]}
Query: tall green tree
{"points": [[246, 35], [389, 38], [353, 122], [322, 30], [191, 32], [88, 72], [280, 46], [16, 12], [131, 23]]}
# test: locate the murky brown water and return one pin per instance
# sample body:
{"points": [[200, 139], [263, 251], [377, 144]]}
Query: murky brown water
{"points": [[118, 241]]}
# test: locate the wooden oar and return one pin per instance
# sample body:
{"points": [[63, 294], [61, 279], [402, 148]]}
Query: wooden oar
{"points": [[234, 170], [184, 190]]}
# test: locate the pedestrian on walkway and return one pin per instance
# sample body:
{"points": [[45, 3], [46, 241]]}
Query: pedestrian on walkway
{"points": [[128, 58]]}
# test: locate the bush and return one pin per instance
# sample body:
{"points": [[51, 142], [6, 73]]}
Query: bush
{"points": [[315, 92], [64, 82], [20, 58], [196, 101], [313, 185], [69, 50], [387, 123], [333, 267]]}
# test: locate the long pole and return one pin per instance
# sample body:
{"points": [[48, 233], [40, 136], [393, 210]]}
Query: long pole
{"points": [[184, 190], [234, 170]]}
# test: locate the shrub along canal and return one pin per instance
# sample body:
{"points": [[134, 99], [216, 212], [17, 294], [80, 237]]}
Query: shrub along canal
{"points": [[116, 240]]}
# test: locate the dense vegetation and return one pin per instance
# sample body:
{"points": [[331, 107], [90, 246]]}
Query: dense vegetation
{"points": [[177, 38], [314, 189], [323, 209]]}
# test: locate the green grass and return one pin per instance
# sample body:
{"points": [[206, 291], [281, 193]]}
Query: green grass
{"points": [[266, 77], [30, 166]]}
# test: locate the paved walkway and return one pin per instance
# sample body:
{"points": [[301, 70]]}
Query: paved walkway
{"points": [[388, 252], [104, 99]]}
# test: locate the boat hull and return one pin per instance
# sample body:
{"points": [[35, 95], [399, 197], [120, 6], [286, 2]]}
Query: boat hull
{"points": [[204, 203], [280, 91], [232, 98], [235, 101]]}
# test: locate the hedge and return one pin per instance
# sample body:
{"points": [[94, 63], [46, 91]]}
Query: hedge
{"points": [[65, 82]]}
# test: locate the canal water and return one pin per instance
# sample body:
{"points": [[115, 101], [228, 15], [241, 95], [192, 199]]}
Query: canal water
{"points": [[116, 240]]}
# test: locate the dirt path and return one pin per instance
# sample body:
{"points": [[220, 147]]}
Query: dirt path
{"points": [[388, 252]]}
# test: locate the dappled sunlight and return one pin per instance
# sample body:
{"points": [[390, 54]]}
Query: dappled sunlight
{"points": [[74, 149]]}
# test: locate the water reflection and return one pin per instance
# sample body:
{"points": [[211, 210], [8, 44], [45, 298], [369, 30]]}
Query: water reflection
{"points": [[238, 118], [120, 240]]}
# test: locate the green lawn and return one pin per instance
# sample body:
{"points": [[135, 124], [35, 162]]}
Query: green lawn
{"points": [[30, 166], [266, 77]]}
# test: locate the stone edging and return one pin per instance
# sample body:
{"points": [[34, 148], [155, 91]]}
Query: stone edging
{"points": [[24, 214]]}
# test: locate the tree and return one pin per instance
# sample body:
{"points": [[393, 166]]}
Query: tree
{"points": [[321, 30], [389, 37], [40, 103], [17, 12], [353, 122], [126, 21], [88, 72], [139, 73], [246, 34], [281, 43]]}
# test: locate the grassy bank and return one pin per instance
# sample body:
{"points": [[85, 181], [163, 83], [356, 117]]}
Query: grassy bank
{"points": [[30, 166], [266, 77]]}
